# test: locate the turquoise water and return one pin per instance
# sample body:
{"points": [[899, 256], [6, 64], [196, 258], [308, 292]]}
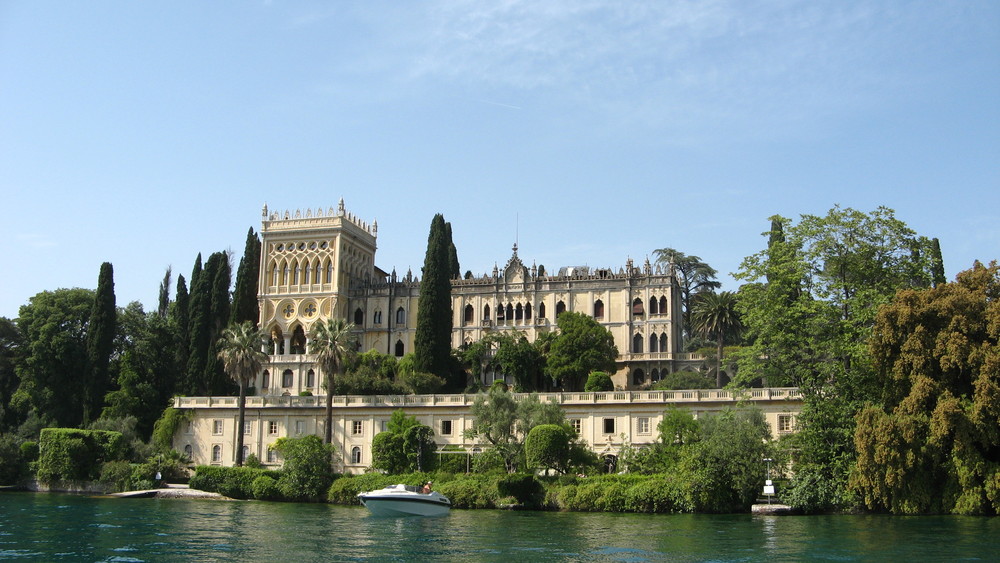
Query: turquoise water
{"points": [[55, 527]]}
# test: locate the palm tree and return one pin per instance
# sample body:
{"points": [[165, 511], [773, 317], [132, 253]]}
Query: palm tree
{"points": [[715, 315], [240, 349], [333, 342]]}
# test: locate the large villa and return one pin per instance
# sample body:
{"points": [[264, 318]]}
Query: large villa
{"points": [[320, 264]]}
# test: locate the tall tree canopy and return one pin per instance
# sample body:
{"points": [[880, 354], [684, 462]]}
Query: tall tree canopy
{"points": [[239, 348], [332, 341], [933, 445], [807, 313], [693, 275], [432, 342], [715, 316], [100, 343], [245, 304], [54, 325], [581, 347]]}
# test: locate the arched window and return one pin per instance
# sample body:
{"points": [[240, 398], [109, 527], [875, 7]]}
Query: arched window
{"points": [[486, 312], [266, 380], [286, 378], [637, 344], [663, 343], [469, 312], [638, 377], [560, 308], [527, 311], [637, 307], [598, 309], [399, 349], [311, 379], [317, 271], [284, 273], [188, 451], [246, 452], [654, 375], [295, 272], [356, 455], [519, 312], [216, 453], [611, 463], [654, 343], [377, 318], [298, 343], [653, 308], [329, 271], [274, 273], [510, 312], [663, 305], [359, 317], [541, 310], [400, 317]]}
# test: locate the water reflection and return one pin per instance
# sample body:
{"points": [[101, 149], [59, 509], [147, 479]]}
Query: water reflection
{"points": [[71, 528]]}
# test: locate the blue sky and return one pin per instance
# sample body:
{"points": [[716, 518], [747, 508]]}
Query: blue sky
{"points": [[143, 133]]}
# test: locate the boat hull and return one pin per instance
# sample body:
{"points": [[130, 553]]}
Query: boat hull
{"points": [[404, 506]]}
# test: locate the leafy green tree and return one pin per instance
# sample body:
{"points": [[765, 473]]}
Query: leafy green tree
{"points": [[932, 444], [405, 446], [432, 341], [11, 346], [581, 347], [937, 263], [715, 315], [100, 343], [245, 305], [547, 446], [208, 311], [693, 275], [808, 310], [332, 341], [726, 466], [54, 325], [307, 468], [503, 421], [240, 350]]}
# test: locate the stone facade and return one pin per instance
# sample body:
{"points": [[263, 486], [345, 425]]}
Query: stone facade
{"points": [[606, 421], [318, 264]]}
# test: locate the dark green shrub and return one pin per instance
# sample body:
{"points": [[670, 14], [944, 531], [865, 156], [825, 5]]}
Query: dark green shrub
{"points": [[656, 494], [308, 468], [115, 476], [599, 381], [265, 487], [524, 488], [12, 459], [253, 461], [345, 489], [471, 491], [587, 495], [29, 451], [454, 462], [488, 462], [613, 497]]}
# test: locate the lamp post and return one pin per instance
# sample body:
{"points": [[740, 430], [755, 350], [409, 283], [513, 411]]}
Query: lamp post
{"points": [[768, 486]]}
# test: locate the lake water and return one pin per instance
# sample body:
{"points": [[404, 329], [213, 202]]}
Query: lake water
{"points": [[57, 527]]}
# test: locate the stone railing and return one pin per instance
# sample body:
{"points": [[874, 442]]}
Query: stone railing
{"points": [[464, 400]]}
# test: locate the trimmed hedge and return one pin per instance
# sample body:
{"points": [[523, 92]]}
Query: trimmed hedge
{"points": [[233, 482], [71, 454]]}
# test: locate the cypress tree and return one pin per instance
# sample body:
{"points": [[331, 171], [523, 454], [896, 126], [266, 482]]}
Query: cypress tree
{"points": [[164, 302], [216, 380], [199, 329], [245, 305], [937, 263], [432, 342], [182, 335], [454, 271], [100, 342]]}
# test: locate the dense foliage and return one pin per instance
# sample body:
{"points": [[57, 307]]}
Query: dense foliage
{"points": [[582, 346], [932, 442], [70, 454], [432, 342]]}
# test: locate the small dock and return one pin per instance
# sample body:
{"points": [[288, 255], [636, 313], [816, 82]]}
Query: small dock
{"points": [[171, 491], [773, 509]]}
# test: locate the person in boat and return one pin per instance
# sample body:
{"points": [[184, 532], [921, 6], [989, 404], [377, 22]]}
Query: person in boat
{"points": [[427, 488]]}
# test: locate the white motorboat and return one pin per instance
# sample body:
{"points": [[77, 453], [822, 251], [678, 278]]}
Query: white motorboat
{"points": [[404, 500]]}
